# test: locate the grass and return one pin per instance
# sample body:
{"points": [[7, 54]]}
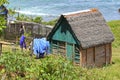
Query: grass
{"points": [[115, 27], [108, 72]]}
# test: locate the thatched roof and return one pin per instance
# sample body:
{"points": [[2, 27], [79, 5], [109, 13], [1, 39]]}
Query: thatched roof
{"points": [[30, 23], [89, 27]]}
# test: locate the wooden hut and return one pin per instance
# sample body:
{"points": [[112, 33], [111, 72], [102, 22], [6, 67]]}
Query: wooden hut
{"points": [[83, 37], [31, 28]]}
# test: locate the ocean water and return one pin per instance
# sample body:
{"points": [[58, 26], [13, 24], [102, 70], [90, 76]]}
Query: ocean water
{"points": [[51, 9]]}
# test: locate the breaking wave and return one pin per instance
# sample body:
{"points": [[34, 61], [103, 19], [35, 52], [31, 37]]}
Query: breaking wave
{"points": [[35, 13]]}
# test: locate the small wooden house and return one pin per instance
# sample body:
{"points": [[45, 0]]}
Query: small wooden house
{"points": [[31, 28], [83, 37]]}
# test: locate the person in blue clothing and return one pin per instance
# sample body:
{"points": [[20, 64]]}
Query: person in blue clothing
{"points": [[40, 47], [22, 42]]}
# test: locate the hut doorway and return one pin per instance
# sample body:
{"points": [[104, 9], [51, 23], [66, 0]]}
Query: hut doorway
{"points": [[70, 51], [73, 53]]}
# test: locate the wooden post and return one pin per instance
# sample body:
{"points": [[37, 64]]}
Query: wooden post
{"points": [[80, 57], [0, 48], [110, 48], [86, 57], [57, 47], [94, 55], [65, 49], [31, 47], [32, 31], [105, 55], [73, 54], [83, 57]]}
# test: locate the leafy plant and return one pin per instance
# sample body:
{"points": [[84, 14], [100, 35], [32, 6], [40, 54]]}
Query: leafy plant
{"points": [[2, 24], [22, 17], [38, 19], [4, 2], [52, 22]]}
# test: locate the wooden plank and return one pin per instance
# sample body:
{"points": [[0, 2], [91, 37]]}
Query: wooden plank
{"points": [[80, 57], [90, 57], [99, 55], [110, 48], [57, 45], [69, 51], [6, 43], [73, 54], [83, 58], [94, 55], [107, 54], [76, 55], [51, 47], [54, 49], [86, 56], [65, 49], [59, 48]]}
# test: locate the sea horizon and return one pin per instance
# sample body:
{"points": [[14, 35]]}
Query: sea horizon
{"points": [[49, 10]]}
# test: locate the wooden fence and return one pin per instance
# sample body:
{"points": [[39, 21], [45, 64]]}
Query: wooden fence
{"points": [[31, 28]]}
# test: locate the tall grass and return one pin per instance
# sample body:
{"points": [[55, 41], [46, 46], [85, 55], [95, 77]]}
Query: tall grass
{"points": [[115, 27]]}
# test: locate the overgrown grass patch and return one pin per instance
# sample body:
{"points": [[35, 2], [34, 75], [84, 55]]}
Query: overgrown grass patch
{"points": [[21, 66], [115, 27], [108, 72]]}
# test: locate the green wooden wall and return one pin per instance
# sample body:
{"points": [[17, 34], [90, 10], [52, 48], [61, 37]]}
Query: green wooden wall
{"points": [[63, 33]]}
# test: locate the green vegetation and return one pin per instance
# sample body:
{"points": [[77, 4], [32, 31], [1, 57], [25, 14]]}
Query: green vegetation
{"points": [[2, 18], [22, 17], [3, 2], [2, 25], [115, 27], [52, 22], [17, 65], [37, 19]]}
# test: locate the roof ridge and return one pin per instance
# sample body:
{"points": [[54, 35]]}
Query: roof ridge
{"points": [[79, 12]]}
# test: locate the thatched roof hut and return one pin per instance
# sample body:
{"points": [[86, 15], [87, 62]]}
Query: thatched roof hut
{"points": [[32, 29], [85, 36]]}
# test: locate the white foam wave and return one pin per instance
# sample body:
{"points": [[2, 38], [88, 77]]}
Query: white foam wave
{"points": [[34, 13]]}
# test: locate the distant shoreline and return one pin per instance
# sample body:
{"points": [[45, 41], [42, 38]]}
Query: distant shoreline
{"points": [[50, 17]]}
